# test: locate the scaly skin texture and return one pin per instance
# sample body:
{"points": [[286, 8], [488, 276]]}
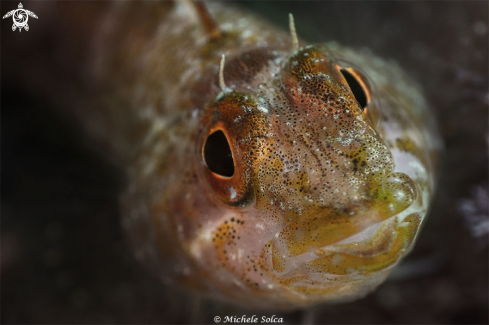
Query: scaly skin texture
{"points": [[326, 196]]}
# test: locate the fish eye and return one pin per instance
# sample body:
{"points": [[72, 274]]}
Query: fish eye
{"points": [[223, 158], [217, 154], [359, 86]]}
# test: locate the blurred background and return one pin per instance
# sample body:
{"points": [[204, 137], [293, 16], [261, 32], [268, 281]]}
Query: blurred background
{"points": [[64, 258]]}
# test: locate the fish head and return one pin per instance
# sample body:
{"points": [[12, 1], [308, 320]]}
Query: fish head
{"points": [[302, 142], [297, 157]]}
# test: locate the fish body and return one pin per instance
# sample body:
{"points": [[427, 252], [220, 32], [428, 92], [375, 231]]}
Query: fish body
{"points": [[304, 178]]}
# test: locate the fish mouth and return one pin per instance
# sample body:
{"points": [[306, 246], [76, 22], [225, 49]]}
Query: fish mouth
{"points": [[344, 268]]}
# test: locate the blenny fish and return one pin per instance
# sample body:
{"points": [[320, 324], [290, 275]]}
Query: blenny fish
{"points": [[261, 170]]}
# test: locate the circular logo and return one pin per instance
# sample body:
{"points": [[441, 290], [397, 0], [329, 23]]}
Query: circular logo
{"points": [[20, 18], [217, 319]]}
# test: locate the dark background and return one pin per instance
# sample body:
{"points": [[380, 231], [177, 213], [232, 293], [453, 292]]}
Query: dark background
{"points": [[63, 255]]}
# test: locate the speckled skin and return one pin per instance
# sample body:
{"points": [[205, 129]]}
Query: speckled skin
{"points": [[325, 198]]}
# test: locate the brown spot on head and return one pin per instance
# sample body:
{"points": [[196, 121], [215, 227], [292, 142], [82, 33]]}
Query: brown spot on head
{"points": [[241, 69]]}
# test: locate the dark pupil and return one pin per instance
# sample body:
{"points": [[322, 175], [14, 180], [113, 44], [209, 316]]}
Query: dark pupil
{"points": [[356, 88], [217, 154]]}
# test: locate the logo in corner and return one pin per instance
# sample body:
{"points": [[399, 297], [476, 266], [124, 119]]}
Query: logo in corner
{"points": [[20, 17]]}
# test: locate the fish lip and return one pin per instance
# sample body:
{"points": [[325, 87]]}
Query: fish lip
{"points": [[361, 237], [298, 264]]}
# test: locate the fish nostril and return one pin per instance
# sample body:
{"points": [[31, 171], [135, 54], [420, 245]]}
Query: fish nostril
{"points": [[217, 154], [356, 87]]}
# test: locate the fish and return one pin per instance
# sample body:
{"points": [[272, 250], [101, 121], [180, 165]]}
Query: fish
{"points": [[261, 170]]}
